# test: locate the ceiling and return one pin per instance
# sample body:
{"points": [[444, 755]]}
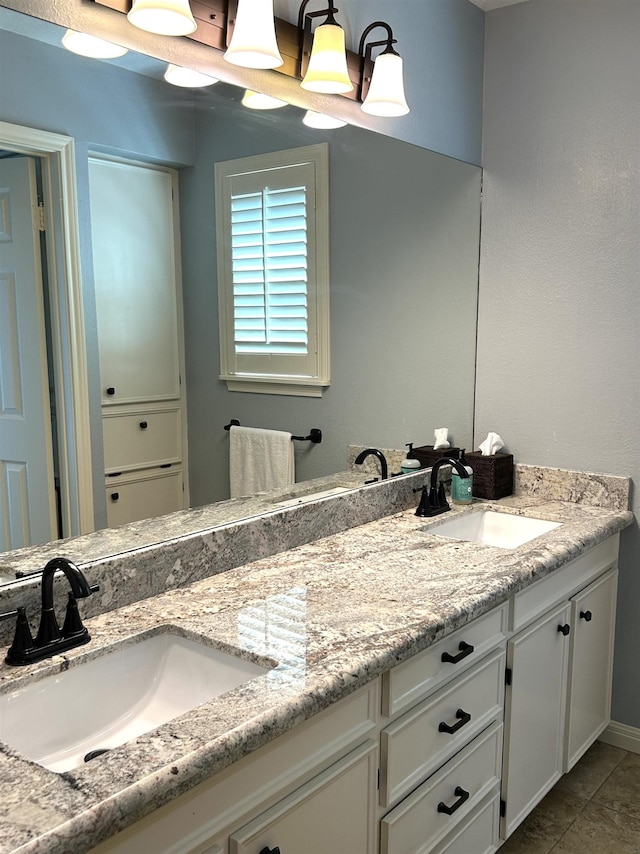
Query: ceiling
{"points": [[488, 5]]}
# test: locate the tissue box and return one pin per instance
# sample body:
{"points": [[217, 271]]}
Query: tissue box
{"points": [[428, 456], [492, 476]]}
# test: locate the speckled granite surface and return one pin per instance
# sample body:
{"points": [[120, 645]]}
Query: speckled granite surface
{"points": [[365, 598]]}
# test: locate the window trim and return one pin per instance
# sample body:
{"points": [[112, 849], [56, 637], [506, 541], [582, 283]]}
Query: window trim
{"points": [[265, 382]]}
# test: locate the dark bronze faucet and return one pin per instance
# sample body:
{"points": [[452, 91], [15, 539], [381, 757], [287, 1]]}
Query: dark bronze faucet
{"points": [[369, 452], [50, 639], [433, 501]]}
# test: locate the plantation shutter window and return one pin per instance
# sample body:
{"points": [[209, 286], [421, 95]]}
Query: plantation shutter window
{"points": [[273, 289]]}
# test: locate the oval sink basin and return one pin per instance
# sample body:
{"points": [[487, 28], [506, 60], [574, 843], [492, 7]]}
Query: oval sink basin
{"points": [[66, 719], [492, 528]]}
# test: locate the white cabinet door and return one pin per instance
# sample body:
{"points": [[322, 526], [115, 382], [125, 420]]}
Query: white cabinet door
{"points": [[593, 613], [534, 713], [333, 812], [133, 240]]}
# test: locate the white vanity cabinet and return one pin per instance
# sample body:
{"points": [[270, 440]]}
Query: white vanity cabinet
{"points": [[559, 677]]}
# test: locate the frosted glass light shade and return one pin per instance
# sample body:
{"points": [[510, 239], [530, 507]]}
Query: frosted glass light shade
{"points": [[386, 93], [86, 45], [259, 101], [327, 71], [165, 17], [253, 43], [322, 121], [187, 77]]}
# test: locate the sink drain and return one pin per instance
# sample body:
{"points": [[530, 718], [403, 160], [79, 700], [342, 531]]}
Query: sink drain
{"points": [[93, 753]]}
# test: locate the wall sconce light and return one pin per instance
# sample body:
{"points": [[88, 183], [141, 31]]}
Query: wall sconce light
{"points": [[321, 121], [253, 42], [258, 101], [164, 17], [188, 78], [382, 85], [85, 45], [323, 67]]}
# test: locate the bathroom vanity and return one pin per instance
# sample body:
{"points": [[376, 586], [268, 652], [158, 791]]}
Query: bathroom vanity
{"points": [[402, 667]]}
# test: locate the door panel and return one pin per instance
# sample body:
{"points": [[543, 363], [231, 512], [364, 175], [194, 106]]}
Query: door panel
{"points": [[27, 497]]}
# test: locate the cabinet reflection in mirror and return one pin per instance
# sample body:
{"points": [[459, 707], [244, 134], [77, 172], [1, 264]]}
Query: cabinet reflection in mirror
{"points": [[404, 231]]}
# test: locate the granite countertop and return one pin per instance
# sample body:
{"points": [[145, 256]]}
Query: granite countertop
{"points": [[355, 603]]}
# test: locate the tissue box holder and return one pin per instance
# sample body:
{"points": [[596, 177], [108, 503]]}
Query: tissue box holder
{"points": [[492, 475], [428, 456]]}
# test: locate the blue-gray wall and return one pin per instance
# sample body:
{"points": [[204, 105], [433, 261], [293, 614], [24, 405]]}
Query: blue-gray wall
{"points": [[558, 342]]}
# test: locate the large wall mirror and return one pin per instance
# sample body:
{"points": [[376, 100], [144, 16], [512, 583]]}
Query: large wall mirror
{"points": [[404, 239]]}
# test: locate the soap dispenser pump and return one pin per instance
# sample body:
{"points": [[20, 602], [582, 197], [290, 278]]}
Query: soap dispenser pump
{"points": [[462, 487], [410, 464]]}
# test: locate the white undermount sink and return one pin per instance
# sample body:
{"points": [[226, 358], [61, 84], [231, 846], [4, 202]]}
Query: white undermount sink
{"points": [[493, 528], [61, 719]]}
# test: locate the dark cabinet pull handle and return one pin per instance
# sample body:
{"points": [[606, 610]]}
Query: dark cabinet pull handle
{"points": [[111, 390], [465, 650], [115, 496], [586, 616], [463, 718], [460, 794], [565, 629], [267, 850], [143, 425]]}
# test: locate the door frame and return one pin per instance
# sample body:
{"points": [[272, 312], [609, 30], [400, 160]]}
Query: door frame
{"points": [[57, 153]]}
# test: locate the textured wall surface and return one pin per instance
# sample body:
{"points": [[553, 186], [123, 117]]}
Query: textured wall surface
{"points": [[559, 313]]}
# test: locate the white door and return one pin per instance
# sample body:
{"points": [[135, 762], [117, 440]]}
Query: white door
{"points": [[27, 495]]}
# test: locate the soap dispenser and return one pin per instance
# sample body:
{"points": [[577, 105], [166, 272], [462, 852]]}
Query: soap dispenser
{"points": [[409, 464], [462, 487]]}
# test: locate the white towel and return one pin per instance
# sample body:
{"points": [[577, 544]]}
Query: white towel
{"points": [[259, 460]]}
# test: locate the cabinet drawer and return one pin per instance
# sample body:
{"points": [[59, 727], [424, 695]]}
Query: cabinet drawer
{"points": [[409, 682], [141, 439], [154, 494], [478, 832], [421, 820], [419, 743], [332, 812]]}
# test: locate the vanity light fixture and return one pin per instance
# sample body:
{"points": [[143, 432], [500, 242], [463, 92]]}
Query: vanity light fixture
{"points": [[381, 81], [253, 41], [323, 67], [164, 17], [322, 121], [188, 78], [86, 45], [259, 101]]}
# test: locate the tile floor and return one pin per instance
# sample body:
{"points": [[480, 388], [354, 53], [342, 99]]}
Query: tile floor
{"points": [[594, 809]]}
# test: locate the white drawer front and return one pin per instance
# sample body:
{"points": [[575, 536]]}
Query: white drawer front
{"points": [[415, 745], [478, 833], [141, 439], [411, 681], [434, 809], [144, 498]]}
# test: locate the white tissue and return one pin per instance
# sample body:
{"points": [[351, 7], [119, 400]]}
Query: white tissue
{"points": [[491, 445], [441, 438]]}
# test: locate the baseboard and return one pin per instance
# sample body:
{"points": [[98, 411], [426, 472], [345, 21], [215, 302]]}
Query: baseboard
{"points": [[622, 735]]}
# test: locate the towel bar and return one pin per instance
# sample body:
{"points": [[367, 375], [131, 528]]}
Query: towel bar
{"points": [[314, 436]]}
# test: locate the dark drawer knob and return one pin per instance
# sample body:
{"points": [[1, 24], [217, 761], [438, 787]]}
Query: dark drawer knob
{"points": [[586, 616], [111, 390], [115, 496], [143, 425], [461, 794], [465, 650], [267, 850], [463, 718], [564, 629]]}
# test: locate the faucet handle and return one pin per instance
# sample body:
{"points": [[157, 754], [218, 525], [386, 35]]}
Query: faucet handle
{"points": [[22, 639]]}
